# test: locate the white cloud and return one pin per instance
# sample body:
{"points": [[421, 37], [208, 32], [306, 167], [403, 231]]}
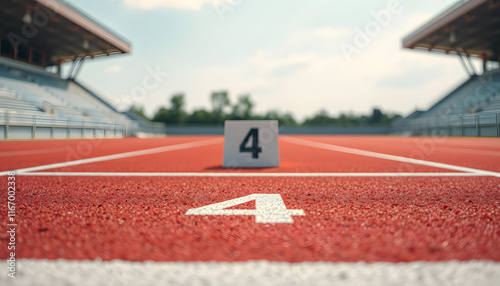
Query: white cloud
{"points": [[330, 33], [172, 4], [114, 69], [319, 36], [303, 81], [266, 64], [308, 72], [327, 80]]}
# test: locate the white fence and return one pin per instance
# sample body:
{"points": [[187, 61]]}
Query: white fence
{"points": [[22, 126], [481, 124]]}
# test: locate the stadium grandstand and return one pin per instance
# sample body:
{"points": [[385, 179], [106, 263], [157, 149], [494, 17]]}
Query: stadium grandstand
{"points": [[37, 38], [467, 30]]}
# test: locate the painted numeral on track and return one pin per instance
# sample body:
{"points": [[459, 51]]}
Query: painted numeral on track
{"points": [[269, 208]]}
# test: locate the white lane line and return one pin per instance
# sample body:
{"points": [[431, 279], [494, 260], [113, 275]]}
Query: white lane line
{"points": [[331, 147], [31, 152], [125, 174], [119, 156], [119, 272]]}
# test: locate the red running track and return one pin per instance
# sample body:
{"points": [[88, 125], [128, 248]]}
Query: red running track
{"points": [[23, 154], [294, 158], [390, 219]]}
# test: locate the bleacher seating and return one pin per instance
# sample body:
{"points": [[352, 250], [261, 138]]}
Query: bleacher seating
{"points": [[9, 101], [472, 109], [26, 93], [493, 105], [471, 97]]}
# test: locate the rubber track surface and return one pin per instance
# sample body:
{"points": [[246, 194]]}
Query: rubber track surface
{"points": [[347, 219]]}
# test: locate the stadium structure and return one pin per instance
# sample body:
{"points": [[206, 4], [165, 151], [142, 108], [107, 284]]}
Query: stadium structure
{"points": [[36, 101], [339, 210], [468, 29]]}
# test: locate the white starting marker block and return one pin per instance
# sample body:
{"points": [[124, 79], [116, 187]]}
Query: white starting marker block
{"points": [[251, 143]]}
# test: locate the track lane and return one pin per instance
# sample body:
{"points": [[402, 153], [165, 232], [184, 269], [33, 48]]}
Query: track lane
{"points": [[447, 150], [478, 153], [405, 162], [294, 158], [347, 219], [43, 152]]}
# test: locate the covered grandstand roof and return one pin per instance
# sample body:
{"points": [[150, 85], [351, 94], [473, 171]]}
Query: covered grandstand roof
{"points": [[471, 26], [58, 29]]}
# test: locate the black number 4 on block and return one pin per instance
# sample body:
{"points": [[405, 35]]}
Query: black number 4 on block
{"points": [[254, 149]]}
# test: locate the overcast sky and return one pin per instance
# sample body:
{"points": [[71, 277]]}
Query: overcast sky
{"points": [[296, 56]]}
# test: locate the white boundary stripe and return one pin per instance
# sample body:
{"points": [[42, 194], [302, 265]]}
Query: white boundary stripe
{"points": [[125, 174], [118, 272], [342, 149], [119, 156]]}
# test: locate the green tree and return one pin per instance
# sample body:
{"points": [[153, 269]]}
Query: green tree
{"points": [[242, 109], [284, 119], [377, 116], [287, 119], [139, 110], [175, 114], [220, 100], [162, 115], [320, 119], [177, 102], [201, 117]]}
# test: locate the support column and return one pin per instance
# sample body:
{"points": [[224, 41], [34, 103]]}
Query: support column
{"points": [[78, 68], [449, 126], [59, 68], [464, 58], [7, 122], [476, 121], [461, 126], [485, 60], [33, 134], [498, 56], [498, 124], [15, 51], [43, 58], [30, 55]]}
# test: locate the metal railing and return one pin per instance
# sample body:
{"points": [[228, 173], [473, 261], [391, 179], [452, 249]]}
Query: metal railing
{"points": [[9, 120], [481, 124], [155, 128]]}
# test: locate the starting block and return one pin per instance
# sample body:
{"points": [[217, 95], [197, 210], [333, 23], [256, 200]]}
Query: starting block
{"points": [[251, 143]]}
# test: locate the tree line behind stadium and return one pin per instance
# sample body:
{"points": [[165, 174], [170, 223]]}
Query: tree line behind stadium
{"points": [[242, 109]]}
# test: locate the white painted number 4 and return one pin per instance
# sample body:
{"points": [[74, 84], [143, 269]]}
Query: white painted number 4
{"points": [[269, 208]]}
